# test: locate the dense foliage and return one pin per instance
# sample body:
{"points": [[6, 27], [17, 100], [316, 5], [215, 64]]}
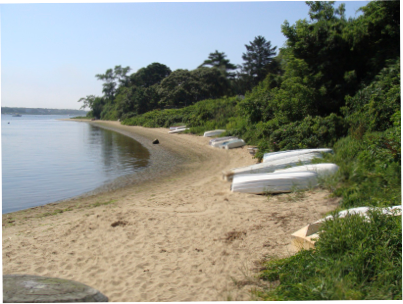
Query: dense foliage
{"points": [[335, 83]]}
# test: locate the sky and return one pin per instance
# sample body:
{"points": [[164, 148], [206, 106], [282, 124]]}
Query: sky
{"points": [[51, 52]]}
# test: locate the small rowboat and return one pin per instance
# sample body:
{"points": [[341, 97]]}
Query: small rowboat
{"points": [[268, 157], [273, 183], [178, 130], [269, 167], [286, 180], [213, 133], [219, 144], [235, 143], [220, 139], [174, 128]]}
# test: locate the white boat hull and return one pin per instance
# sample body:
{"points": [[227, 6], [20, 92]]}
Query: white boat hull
{"points": [[213, 133], [274, 183], [234, 144], [221, 139], [268, 157], [177, 130], [270, 167]]}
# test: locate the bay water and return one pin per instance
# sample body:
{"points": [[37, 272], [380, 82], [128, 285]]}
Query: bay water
{"points": [[45, 159]]}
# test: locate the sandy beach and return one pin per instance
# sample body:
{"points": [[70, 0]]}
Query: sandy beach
{"points": [[176, 233]]}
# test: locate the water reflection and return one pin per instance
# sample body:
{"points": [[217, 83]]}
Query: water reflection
{"points": [[119, 153], [45, 160]]}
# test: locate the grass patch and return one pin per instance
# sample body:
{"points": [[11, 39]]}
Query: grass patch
{"points": [[354, 259], [98, 204]]}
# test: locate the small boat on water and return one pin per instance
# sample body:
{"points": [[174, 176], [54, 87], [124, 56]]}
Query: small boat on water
{"points": [[267, 157], [286, 180], [178, 130], [213, 133], [17, 115]]}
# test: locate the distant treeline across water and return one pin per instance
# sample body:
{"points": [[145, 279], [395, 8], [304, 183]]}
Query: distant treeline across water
{"points": [[41, 111]]}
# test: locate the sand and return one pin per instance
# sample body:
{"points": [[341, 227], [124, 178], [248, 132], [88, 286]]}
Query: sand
{"points": [[178, 236]]}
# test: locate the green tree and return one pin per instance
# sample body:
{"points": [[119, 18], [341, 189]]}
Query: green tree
{"points": [[257, 59], [150, 75], [218, 60], [111, 80]]}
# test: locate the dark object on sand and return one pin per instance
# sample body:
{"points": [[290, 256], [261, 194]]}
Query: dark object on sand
{"points": [[19, 288], [156, 141]]}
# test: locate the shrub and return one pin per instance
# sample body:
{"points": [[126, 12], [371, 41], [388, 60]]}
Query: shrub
{"points": [[354, 259]]}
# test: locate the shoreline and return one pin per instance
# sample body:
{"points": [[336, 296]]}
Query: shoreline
{"points": [[182, 236]]}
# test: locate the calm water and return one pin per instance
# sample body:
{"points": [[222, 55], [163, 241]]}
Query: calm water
{"points": [[45, 160]]}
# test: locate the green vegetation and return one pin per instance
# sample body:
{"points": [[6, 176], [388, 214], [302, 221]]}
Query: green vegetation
{"points": [[354, 259], [335, 83]]}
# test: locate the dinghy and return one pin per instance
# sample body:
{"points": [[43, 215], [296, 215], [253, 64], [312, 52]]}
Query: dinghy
{"points": [[235, 143], [286, 180], [174, 128], [274, 183], [272, 166], [178, 130], [322, 170], [213, 133], [267, 157], [219, 144], [220, 139]]}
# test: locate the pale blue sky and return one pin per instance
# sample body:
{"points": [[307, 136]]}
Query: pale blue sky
{"points": [[50, 53]]}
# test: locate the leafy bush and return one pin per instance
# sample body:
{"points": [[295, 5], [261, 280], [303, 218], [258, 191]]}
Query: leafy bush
{"points": [[354, 259], [312, 132]]}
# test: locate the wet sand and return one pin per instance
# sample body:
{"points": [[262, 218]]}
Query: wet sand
{"points": [[175, 233]]}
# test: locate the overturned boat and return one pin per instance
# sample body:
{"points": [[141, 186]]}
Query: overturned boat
{"points": [[268, 157], [286, 180], [274, 165], [213, 133], [221, 139], [178, 130]]}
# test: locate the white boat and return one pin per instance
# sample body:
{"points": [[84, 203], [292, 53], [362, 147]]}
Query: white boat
{"points": [[235, 143], [174, 128], [178, 130], [272, 166], [220, 139], [219, 144], [274, 183], [284, 180], [322, 170], [213, 133], [267, 157]]}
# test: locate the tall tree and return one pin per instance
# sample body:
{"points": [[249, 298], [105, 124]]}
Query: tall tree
{"points": [[154, 73], [258, 57], [217, 60], [110, 77]]}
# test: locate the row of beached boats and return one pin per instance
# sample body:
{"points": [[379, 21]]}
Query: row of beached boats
{"points": [[281, 172], [229, 142]]}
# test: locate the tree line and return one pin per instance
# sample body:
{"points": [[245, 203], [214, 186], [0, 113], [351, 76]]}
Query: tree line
{"points": [[157, 87]]}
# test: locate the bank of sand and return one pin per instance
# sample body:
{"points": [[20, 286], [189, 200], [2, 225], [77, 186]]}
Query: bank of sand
{"points": [[182, 236]]}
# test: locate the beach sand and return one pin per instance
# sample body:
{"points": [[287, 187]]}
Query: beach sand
{"points": [[176, 234]]}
